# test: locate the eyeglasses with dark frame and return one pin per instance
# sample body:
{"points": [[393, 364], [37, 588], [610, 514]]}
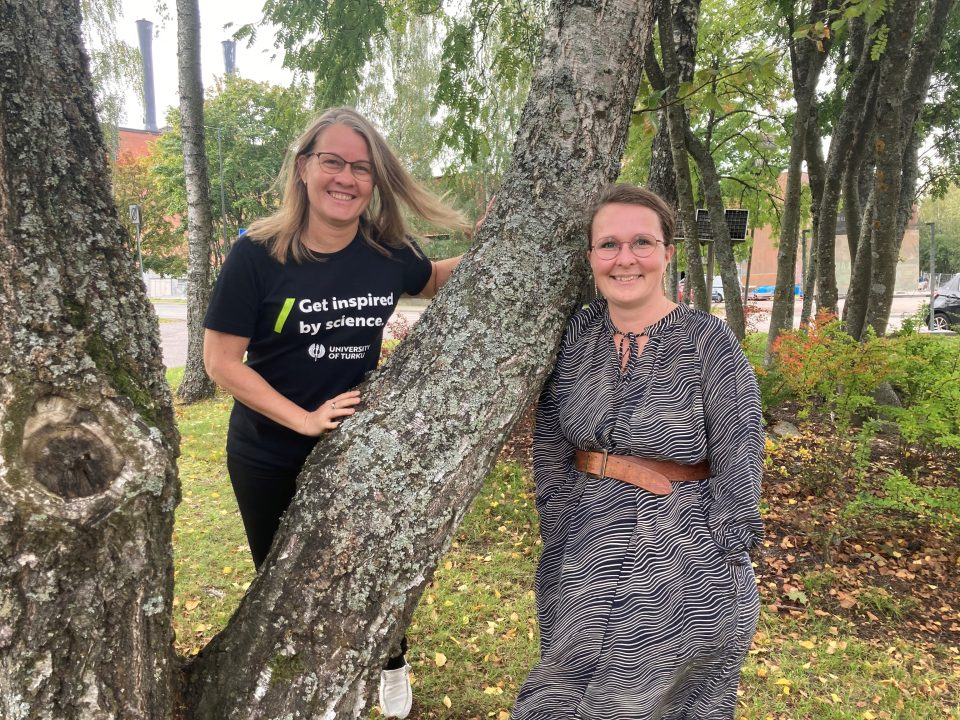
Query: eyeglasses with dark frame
{"points": [[331, 163], [641, 247]]}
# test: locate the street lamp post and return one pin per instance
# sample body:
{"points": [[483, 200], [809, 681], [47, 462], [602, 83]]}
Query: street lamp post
{"points": [[933, 250]]}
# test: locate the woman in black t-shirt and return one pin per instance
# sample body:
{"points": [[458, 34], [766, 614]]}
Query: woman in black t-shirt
{"points": [[305, 294]]}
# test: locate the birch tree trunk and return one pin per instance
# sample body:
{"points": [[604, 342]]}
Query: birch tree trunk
{"points": [[195, 384], [380, 499], [88, 482]]}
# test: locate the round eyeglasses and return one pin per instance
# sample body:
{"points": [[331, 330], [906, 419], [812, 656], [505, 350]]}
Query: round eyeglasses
{"points": [[331, 163], [641, 247]]}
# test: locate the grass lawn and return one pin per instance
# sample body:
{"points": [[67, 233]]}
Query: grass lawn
{"points": [[841, 635]]}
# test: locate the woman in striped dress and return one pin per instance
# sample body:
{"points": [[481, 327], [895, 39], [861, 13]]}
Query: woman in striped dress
{"points": [[646, 597]]}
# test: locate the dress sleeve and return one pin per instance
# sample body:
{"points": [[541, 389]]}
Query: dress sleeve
{"points": [[734, 430]]}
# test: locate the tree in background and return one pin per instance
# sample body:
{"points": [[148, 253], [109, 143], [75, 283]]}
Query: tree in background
{"points": [[256, 122], [135, 182], [196, 385], [114, 64]]}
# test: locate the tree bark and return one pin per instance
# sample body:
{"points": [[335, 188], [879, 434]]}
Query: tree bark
{"points": [[816, 170], [888, 175], [380, 499], [918, 60], [195, 384], [807, 60], [87, 477], [663, 181], [721, 235], [842, 143], [669, 79]]}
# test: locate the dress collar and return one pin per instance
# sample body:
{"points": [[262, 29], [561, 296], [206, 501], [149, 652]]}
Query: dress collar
{"points": [[667, 321]]}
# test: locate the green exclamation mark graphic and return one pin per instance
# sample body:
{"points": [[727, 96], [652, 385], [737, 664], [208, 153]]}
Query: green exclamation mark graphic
{"points": [[284, 313]]}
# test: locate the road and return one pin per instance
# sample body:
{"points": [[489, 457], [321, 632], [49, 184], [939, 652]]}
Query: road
{"points": [[173, 321]]}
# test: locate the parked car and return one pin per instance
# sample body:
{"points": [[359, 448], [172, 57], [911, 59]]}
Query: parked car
{"points": [[946, 305], [765, 292]]}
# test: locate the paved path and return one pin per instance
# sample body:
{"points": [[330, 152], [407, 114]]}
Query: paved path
{"points": [[173, 331]]}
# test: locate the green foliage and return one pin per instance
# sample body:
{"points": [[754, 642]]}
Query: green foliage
{"points": [[926, 373], [900, 500], [255, 123], [826, 368], [331, 41], [162, 237], [114, 64], [823, 368]]}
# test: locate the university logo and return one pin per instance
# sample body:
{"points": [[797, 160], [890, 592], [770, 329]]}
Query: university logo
{"points": [[317, 351]]}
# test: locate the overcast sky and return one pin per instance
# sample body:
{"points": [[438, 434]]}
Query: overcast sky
{"points": [[254, 62]]}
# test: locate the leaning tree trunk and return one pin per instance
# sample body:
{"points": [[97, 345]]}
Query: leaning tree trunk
{"points": [[379, 500], [87, 476], [195, 384]]}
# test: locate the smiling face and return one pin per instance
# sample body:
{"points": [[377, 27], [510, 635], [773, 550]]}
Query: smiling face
{"points": [[626, 281], [336, 200]]}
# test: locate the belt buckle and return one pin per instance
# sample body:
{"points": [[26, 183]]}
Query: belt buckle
{"points": [[603, 464]]}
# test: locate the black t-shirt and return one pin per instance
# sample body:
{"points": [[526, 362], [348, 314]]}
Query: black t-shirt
{"points": [[315, 329]]}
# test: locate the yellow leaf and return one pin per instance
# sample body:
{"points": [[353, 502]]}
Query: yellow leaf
{"points": [[446, 701], [835, 698], [782, 681], [869, 716], [807, 645], [191, 604], [493, 690], [761, 672], [440, 659], [503, 715], [227, 569]]}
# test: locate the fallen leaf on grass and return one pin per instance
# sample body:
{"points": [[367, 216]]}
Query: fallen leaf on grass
{"points": [[440, 659]]}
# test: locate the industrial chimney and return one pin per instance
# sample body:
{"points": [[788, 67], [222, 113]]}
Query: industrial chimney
{"points": [[145, 33], [229, 57]]}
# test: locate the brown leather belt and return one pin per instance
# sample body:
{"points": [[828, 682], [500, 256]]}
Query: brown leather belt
{"points": [[653, 476]]}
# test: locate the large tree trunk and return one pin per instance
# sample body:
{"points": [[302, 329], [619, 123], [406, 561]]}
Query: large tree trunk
{"points": [[662, 177], [195, 384], [380, 499], [888, 175], [87, 477]]}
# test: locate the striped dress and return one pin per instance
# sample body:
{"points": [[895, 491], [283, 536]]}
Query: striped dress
{"points": [[647, 604]]}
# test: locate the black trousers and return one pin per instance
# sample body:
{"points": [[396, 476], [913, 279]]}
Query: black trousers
{"points": [[263, 497]]}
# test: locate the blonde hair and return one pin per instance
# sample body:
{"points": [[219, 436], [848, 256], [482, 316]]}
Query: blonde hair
{"points": [[393, 185]]}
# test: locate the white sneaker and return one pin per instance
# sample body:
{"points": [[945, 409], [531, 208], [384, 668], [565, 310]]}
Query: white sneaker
{"points": [[396, 695]]}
